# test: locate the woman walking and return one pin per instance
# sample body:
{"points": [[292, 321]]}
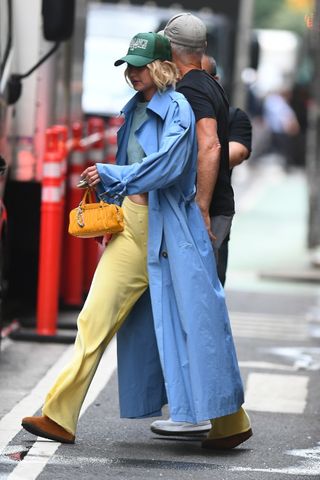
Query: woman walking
{"points": [[165, 246]]}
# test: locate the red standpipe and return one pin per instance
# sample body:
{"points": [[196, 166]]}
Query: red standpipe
{"points": [[50, 239], [72, 288], [95, 155]]}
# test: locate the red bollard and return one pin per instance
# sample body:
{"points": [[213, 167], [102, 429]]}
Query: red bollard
{"points": [[74, 247], [111, 138], [50, 239], [61, 136], [96, 151], [61, 133], [95, 154]]}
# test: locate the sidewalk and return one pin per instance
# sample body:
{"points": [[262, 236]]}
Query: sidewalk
{"points": [[268, 245]]}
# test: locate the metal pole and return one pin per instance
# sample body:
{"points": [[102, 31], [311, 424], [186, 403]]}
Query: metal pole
{"points": [[242, 51], [313, 145]]}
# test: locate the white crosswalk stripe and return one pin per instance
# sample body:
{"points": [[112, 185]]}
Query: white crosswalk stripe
{"points": [[269, 326], [278, 393], [268, 391]]}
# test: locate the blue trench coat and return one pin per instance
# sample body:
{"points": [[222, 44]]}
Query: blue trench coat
{"points": [[184, 337]]}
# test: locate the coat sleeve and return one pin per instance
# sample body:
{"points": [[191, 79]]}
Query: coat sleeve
{"points": [[159, 169]]}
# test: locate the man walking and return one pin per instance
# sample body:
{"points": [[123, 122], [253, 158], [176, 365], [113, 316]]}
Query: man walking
{"points": [[187, 35]]}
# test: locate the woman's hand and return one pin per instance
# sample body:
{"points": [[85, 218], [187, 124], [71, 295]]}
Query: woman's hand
{"points": [[91, 176]]}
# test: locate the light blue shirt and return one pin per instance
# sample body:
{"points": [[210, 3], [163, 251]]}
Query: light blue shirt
{"points": [[134, 151]]}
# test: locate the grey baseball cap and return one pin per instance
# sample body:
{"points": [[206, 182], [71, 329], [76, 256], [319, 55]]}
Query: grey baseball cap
{"points": [[187, 30]]}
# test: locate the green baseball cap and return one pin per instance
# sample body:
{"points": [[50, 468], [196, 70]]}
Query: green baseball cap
{"points": [[144, 48]]}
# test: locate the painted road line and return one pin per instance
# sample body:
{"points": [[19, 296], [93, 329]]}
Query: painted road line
{"points": [[42, 450], [273, 318], [269, 326], [267, 366], [304, 358], [10, 424], [266, 392], [245, 279], [264, 329], [309, 467], [262, 335]]}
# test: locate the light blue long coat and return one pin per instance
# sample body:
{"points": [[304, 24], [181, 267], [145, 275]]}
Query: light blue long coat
{"points": [[190, 321]]}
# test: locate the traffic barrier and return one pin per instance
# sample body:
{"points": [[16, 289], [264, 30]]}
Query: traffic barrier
{"points": [[50, 239], [53, 199], [72, 287], [113, 126], [92, 251], [96, 149], [61, 137]]}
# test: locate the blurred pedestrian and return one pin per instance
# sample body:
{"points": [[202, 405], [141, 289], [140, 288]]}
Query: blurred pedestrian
{"points": [[164, 232], [282, 122], [239, 150]]}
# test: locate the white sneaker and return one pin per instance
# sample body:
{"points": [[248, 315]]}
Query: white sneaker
{"points": [[169, 427]]}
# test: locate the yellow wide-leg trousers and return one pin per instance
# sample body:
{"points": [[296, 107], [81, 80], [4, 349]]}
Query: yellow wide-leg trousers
{"points": [[119, 280]]}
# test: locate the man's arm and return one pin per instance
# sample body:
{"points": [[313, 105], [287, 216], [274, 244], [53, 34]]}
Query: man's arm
{"points": [[237, 153], [209, 149], [240, 136]]}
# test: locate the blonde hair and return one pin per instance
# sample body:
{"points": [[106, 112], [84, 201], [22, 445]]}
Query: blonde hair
{"points": [[163, 74]]}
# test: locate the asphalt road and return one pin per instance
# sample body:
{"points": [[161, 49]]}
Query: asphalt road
{"points": [[274, 313]]}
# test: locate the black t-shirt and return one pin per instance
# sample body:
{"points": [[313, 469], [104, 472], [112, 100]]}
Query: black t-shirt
{"points": [[240, 129], [208, 100]]}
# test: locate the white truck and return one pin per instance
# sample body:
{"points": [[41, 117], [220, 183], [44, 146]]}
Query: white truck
{"points": [[30, 33]]}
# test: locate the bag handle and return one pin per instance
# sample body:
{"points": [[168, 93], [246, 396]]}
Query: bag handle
{"points": [[87, 195]]}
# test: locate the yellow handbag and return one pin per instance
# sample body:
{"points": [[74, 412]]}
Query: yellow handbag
{"points": [[91, 219]]}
